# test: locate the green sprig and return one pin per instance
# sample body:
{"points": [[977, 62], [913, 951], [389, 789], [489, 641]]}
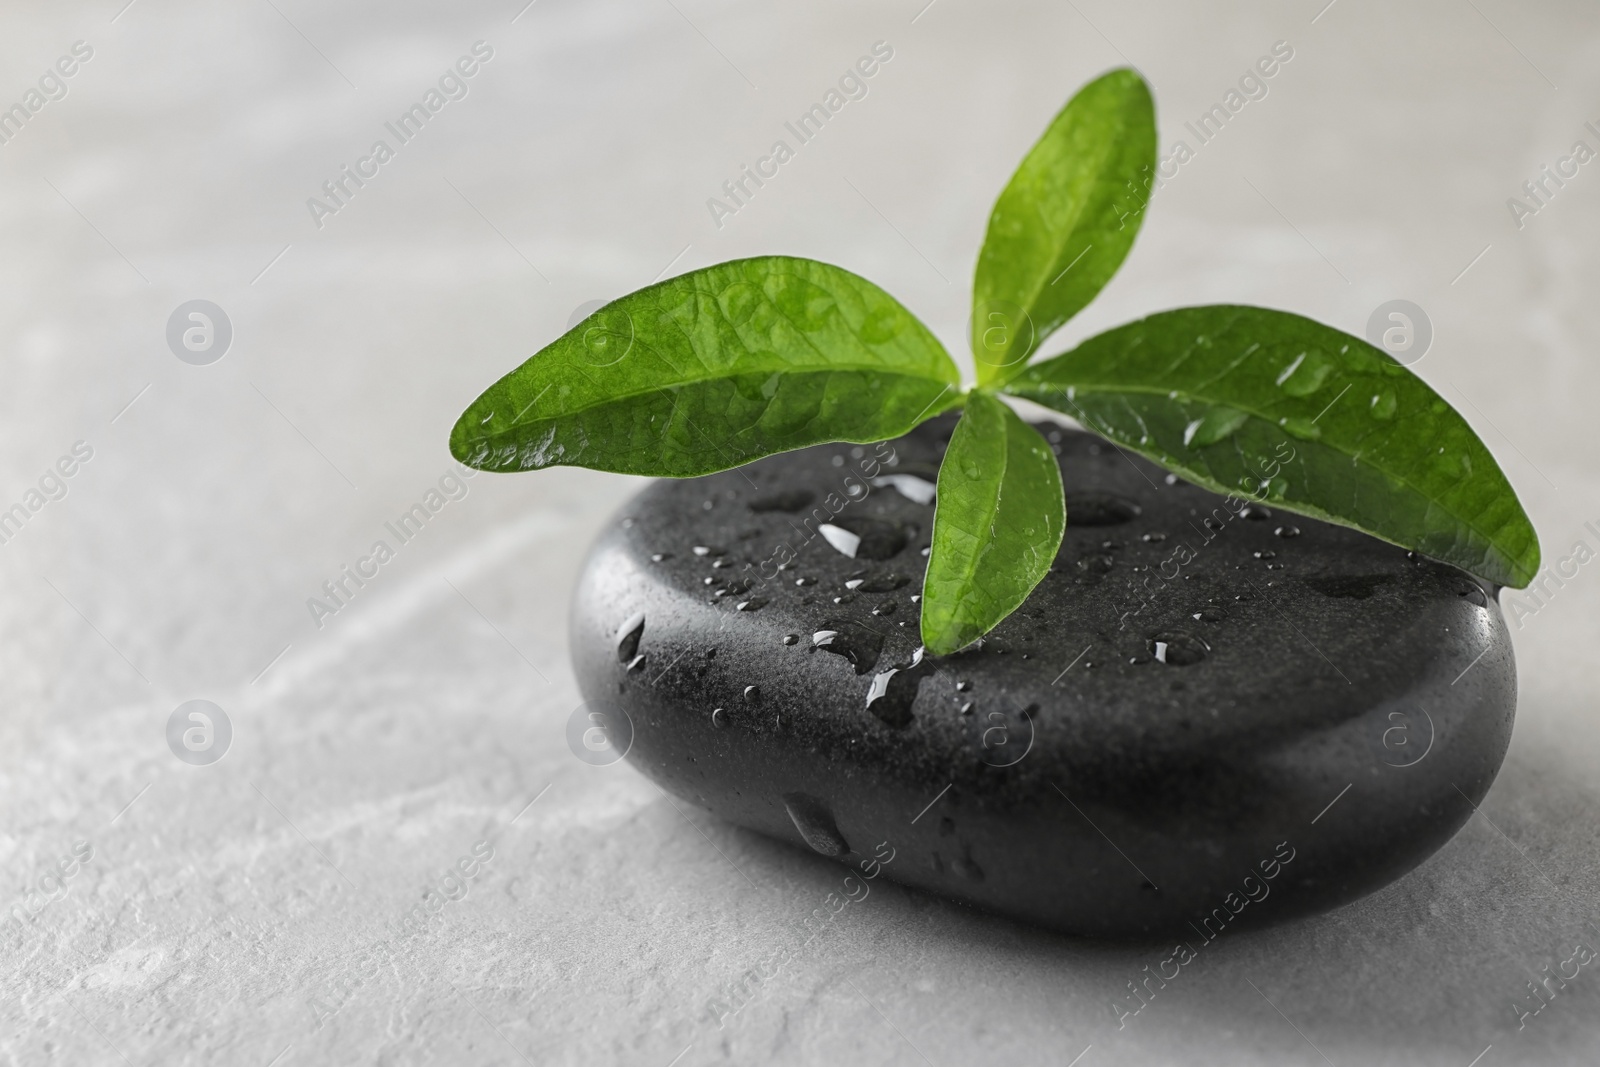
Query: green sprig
{"points": [[721, 366]]}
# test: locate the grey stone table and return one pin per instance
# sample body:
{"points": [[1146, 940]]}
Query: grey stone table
{"points": [[261, 909]]}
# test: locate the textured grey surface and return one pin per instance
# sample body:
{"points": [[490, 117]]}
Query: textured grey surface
{"points": [[242, 911]]}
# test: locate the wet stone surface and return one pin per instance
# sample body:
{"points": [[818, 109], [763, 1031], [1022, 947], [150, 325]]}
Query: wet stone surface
{"points": [[1209, 714]]}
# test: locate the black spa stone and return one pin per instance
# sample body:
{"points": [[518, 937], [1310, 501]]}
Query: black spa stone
{"points": [[1204, 717]]}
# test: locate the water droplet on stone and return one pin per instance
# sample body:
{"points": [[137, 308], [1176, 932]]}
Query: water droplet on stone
{"points": [[791, 639], [805, 581], [752, 694], [840, 538], [967, 868], [962, 687], [1171, 479], [917, 490], [790, 500], [1255, 513], [1153, 538], [706, 550], [886, 582], [893, 691], [659, 557], [1348, 586], [886, 608], [755, 603], [966, 708], [719, 718], [861, 538], [1287, 531], [1177, 648], [815, 823], [1100, 509], [628, 635], [854, 642], [635, 663], [1265, 554]]}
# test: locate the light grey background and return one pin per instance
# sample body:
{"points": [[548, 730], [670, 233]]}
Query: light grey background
{"points": [[227, 906]]}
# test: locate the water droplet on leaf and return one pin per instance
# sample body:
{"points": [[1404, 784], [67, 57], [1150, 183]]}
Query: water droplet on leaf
{"points": [[1383, 405], [1217, 424], [1299, 426], [1305, 375]]}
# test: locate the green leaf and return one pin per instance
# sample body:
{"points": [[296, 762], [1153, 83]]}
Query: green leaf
{"points": [[1305, 417], [1064, 222], [713, 369], [996, 527]]}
